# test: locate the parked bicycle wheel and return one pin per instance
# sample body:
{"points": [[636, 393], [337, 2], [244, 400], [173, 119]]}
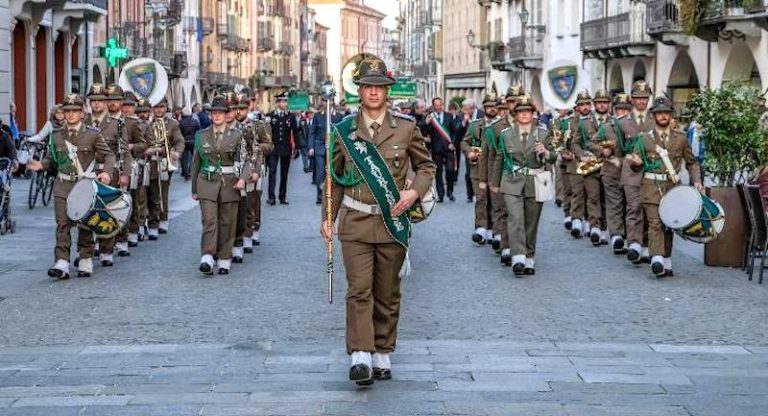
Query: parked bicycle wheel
{"points": [[34, 190], [47, 189]]}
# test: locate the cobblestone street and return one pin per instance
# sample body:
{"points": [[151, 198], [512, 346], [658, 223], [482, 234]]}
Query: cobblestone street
{"points": [[588, 335]]}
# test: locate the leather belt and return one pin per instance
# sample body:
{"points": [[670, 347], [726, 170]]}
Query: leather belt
{"points": [[526, 171], [660, 177], [225, 170], [352, 203], [68, 178]]}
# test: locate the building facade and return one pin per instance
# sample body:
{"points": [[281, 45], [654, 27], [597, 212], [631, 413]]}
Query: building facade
{"points": [[423, 45], [465, 57]]}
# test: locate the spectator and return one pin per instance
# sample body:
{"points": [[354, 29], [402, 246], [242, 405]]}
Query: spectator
{"points": [[14, 124], [204, 116], [177, 113], [7, 147], [695, 136], [55, 121], [189, 127], [195, 111]]}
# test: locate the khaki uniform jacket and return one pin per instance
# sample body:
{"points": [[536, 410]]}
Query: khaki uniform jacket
{"points": [[157, 145], [215, 186], [109, 130], [678, 148], [631, 128], [91, 147], [474, 138], [516, 184], [402, 147], [487, 167], [264, 137], [572, 165], [612, 165]]}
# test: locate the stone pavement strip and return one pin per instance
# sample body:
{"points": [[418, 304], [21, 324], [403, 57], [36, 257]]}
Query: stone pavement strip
{"points": [[439, 377]]}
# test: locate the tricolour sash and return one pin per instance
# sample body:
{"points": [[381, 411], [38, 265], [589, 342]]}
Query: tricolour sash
{"points": [[440, 129], [380, 181]]}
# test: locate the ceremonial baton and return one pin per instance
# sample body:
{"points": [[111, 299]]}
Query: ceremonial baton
{"points": [[328, 92]]}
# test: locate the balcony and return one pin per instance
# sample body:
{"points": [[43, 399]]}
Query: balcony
{"points": [[287, 81], [92, 8], [266, 81], [236, 43], [663, 22], [206, 23], [488, 3], [424, 70], [265, 44], [173, 13], [732, 19], [497, 55], [527, 52], [218, 78], [222, 29], [620, 36]]}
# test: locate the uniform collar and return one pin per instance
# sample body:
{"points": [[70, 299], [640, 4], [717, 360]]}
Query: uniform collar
{"points": [[77, 127], [367, 121], [221, 129]]}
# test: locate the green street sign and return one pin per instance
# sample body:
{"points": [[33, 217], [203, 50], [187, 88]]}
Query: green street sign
{"points": [[113, 52], [298, 101], [402, 88]]}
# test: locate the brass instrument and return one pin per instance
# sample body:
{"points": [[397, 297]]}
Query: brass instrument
{"points": [[479, 151], [161, 133], [594, 164]]}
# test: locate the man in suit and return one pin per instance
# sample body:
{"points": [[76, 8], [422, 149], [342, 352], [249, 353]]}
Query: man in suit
{"points": [[373, 154], [305, 123], [285, 137], [443, 147], [317, 130]]}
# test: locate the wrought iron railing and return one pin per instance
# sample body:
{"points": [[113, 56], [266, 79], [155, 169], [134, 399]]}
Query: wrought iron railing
{"points": [[618, 30], [717, 9], [265, 44], [663, 16]]}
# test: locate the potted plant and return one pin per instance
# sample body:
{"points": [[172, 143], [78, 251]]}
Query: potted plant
{"points": [[735, 145]]}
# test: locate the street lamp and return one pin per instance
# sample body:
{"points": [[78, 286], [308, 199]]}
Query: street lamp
{"points": [[524, 15], [471, 41]]}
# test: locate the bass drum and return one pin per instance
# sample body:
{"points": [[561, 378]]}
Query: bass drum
{"points": [[691, 215], [100, 208], [422, 209]]}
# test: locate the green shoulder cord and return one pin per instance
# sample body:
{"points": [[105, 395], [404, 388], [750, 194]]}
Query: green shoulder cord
{"points": [[351, 177], [601, 132], [648, 166], [583, 135], [624, 144], [509, 162], [204, 162], [61, 160]]}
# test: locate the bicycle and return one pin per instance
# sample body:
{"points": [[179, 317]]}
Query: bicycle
{"points": [[41, 183]]}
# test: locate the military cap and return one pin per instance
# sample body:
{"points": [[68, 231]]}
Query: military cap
{"points": [[129, 98], [231, 100], [220, 103], [641, 89], [662, 105], [247, 92], [602, 96], [162, 103], [371, 71], [621, 100], [501, 104], [283, 96], [72, 102], [242, 100], [524, 102], [489, 100], [583, 97], [514, 92], [142, 105], [114, 92], [97, 92]]}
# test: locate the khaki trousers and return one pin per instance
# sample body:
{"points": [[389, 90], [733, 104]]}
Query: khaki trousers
{"points": [[86, 245], [373, 295], [614, 205], [499, 217], [523, 224], [250, 220], [153, 202], [219, 223], [256, 210], [138, 215], [482, 211], [659, 237], [635, 220], [242, 220], [564, 190], [578, 208], [594, 201]]}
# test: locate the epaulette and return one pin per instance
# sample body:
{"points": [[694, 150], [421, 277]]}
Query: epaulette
{"points": [[346, 119], [494, 121], [474, 122], [403, 116]]}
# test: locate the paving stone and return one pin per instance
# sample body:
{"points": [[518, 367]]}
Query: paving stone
{"points": [[758, 350], [181, 410], [574, 353], [69, 401], [506, 385], [712, 349], [618, 347], [586, 410], [504, 409], [518, 377], [129, 349], [307, 396], [649, 361], [41, 411], [135, 389], [184, 398], [385, 407], [292, 409], [594, 377], [38, 350], [624, 388], [6, 401], [37, 391]]}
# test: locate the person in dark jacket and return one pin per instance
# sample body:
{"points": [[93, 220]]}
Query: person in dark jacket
{"points": [[189, 127], [442, 144], [286, 136], [317, 131], [7, 147], [205, 117], [469, 112]]}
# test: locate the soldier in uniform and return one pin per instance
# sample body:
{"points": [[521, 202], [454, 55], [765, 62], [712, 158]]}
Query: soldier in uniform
{"points": [[559, 127], [91, 150], [264, 139], [475, 147], [589, 149], [285, 136], [125, 139], [611, 172], [379, 148], [578, 132], [159, 162], [657, 180], [631, 177], [218, 176], [140, 212], [250, 154], [524, 151]]}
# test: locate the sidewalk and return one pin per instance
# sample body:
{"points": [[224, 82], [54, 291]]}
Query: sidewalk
{"points": [[430, 378]]}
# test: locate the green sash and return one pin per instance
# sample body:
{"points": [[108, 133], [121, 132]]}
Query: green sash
{"points": [[378, 177]]}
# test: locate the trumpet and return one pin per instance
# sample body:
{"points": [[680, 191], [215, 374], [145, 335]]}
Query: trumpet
{"points": [[161, 133], [479, 151]]}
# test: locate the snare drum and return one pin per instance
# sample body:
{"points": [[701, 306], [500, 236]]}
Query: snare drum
{"points": [[100, 208], [691, 215]]}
